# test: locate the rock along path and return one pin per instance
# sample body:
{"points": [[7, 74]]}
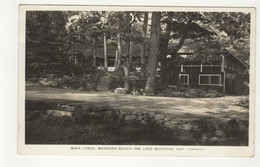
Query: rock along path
{"points": [[186, 108]]}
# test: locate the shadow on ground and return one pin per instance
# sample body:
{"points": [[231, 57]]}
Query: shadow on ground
{"points": [[108, 126]]}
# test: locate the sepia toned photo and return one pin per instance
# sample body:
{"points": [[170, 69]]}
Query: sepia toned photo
{"points": [[163, 81]]}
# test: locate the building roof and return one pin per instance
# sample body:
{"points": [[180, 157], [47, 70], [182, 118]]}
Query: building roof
{"points": [[83, 49], [111, 50], [187, 55], [199, 57], [205, 57]]}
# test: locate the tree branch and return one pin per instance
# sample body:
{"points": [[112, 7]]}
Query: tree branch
{"points": [[183, 37], [133, 19]]}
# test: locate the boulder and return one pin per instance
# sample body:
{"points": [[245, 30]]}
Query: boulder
{"points": [[144, 122], [124, 112], [168, 118], [137, 112], [121, 91], [170, 125], [140, 118], [220, 133], [59, 113], [159, 117], [108, 113], [87, 108], [67, 107], [187, 127], [98, 114], [118, 90], [151, 114], [213, 140], [130, 117]]}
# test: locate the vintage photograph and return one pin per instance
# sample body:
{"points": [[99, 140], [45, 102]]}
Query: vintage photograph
{"points": [[165, 77]]}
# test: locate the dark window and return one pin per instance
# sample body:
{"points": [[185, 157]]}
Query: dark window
{"points": [[204, 79], [184, 79], [209, 79], [215, 79]]}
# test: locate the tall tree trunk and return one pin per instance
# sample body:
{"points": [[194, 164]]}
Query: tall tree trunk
{"points": [[154, 49], [119, 51], [131, 52], [144, 40], [74, 58], [126, 69], [94, 53], [164, 41], [164, 50], [105, 51], [127, 63], [116, 59]]}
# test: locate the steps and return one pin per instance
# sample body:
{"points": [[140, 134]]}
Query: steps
{"points": [[103, 84]]}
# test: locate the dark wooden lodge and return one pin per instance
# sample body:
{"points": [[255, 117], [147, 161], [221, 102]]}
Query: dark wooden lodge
{"points": [[220, 71]]}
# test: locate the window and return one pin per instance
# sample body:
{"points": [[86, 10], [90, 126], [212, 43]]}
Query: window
{"points": [[184, 79], [204, 80], [209, 79], [215, 80]]}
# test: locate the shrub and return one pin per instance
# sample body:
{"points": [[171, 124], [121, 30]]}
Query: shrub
{"points": [[244, 102], [116, 79], [190, 93], [235, 128], [47, 82], [33, 79], [206, 126]]}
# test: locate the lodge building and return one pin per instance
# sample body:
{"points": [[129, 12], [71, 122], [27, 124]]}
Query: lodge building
{"points": [[220, 71]]}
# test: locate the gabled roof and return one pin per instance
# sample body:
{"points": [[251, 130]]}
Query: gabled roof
{"points": [[205, 57], [111, 50], [198, 57], [243, 63], [83, 49]]}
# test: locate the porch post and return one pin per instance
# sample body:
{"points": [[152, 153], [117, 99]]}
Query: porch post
{"points": [[223, 70], [222, 63]]}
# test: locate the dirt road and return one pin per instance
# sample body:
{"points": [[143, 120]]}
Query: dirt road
{"points": [[223, 107]]}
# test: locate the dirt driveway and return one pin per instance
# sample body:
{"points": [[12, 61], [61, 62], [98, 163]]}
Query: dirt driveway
{"points": [[221, 108]]}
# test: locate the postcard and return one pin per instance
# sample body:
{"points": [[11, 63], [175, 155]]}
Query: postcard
{"points": [[136, 81]]}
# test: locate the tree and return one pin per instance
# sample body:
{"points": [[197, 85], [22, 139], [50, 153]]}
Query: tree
{"points": [[119, 51], [154, 49], [233, 29], [144, 40], [45, 38], [178, 27], [121, 25]]}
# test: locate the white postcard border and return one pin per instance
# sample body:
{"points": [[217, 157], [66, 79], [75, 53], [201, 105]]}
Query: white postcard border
{"points": [[134, 150]]}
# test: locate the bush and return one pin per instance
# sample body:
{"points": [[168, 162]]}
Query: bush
{"points": [[244, 102], [206, 126], [190, 93], [116, 79], [33, 79], [213, 93], [47, 82], [86, 82]]}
